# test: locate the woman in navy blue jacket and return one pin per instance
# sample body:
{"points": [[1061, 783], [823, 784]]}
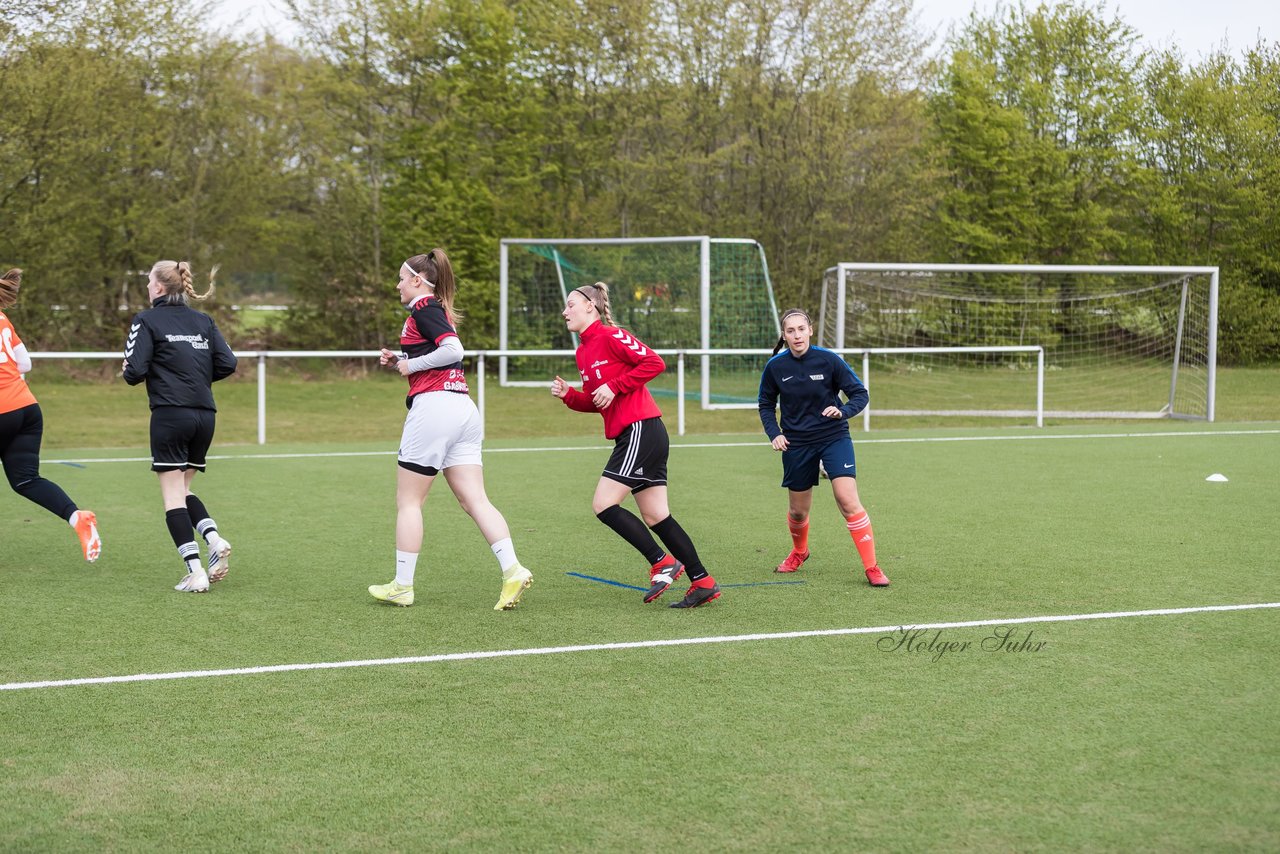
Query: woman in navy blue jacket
{"points": [[807, 381]]}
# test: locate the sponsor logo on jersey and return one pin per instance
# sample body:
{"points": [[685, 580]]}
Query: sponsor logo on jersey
{"points": [[816, 376], [197, 342]]}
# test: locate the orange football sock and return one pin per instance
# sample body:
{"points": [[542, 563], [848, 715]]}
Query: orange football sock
{"points": [[860, 530], [799, 534]]}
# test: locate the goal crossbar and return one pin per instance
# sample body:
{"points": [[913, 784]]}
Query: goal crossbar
{"points": [[1190, 336], [713, 292]]}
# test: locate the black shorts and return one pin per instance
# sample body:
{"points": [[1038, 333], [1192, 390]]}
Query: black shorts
{"points": [[180, 437], [639, 457]]}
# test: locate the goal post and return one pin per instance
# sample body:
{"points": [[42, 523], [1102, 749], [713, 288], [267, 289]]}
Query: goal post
{"points": [[674, 293], [1119, 341]]}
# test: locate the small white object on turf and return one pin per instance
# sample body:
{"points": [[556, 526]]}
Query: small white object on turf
{"points": [[1216, 478]]}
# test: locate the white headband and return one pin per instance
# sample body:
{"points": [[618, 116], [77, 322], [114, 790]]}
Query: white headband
{"points": [[413, 272]]}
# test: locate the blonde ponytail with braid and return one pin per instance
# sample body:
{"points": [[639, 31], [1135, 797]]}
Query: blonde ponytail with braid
{"points": [[177, 280], [599, 296]]}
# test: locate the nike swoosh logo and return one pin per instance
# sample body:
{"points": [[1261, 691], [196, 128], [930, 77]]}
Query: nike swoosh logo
{"points": [[397, 594], [784, 379], [848, 465]]}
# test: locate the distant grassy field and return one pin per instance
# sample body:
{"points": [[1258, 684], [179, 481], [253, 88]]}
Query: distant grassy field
{"points": [[315, 401]]}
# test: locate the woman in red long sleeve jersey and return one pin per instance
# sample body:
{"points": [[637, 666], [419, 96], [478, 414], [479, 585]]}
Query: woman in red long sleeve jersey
{"points": [[615, 366]]}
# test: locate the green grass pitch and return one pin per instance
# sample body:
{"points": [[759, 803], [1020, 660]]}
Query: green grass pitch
{"points": [[1153, 733]]}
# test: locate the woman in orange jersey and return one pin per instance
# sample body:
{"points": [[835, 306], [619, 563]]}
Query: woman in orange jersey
{"points": [[22, 428]]}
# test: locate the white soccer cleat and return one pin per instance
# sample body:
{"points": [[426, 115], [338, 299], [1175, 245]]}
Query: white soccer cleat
{"points": [[218, 561], [193, 582]]}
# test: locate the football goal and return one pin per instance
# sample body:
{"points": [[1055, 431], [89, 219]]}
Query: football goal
{"points": [[674, 293], [1119, 342]]}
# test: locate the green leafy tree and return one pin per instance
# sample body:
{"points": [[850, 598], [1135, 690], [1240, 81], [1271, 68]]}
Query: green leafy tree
{"points": [[1038, 120]]}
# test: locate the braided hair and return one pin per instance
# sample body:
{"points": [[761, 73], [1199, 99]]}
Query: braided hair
{"points": [[599, 296], [176, 278]]}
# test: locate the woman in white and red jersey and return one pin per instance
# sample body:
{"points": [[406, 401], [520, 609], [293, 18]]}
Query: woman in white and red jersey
{"points": [[442, 431], [615, 366], [22, 428]]}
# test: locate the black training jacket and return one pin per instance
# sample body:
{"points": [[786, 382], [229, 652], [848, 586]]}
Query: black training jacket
{"points": [[179, 352]]}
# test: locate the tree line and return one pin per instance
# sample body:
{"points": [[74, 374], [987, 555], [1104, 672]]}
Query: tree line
{"points": [[827, 129]]}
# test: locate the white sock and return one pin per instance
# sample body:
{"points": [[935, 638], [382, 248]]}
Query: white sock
{"points": [[75, 517], [208, 529], [406, 564], [193, 565], [505, 552]]}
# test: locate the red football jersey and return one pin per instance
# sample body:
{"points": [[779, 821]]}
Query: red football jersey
{"points": [[607, 354], [428, 324]]}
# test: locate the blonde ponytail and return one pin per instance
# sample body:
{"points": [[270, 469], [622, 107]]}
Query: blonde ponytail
{"points": [[599, 296], [178, 281]]}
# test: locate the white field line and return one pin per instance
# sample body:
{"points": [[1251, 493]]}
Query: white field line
{"points": [[758, 443], [597, 647]]}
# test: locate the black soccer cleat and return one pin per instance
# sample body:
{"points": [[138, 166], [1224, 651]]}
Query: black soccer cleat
{"points": [[698, 596], [660, 580]]}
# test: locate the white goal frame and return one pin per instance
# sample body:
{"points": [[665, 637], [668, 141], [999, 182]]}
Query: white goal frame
{"points": [[704, 243], [843, 270]]}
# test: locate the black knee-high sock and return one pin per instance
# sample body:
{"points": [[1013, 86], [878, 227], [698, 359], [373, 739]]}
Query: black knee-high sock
{"points": [[200, 517], [679, 544], [633, 531], [179, 524], [48, 495]]}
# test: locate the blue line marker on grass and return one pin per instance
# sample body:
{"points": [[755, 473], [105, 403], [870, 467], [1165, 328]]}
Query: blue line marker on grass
{"points": [[69, 463], [633, 587], [606, 581]]}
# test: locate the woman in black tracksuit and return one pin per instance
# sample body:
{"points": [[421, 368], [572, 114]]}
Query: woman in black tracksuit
{"points": [[180, 353]]}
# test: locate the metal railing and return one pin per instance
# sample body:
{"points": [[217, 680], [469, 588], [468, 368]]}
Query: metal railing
{"points": [[261, 357]]}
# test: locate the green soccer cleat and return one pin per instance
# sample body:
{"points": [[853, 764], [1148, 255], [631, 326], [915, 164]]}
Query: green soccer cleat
{"points": [[513, 587], [392, 593]]}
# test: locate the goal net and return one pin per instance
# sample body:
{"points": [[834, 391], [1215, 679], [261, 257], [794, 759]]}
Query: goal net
{"points": [[674, 293], [1119, 342]]}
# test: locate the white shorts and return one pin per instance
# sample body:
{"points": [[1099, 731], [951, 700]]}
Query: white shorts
{"points": [[442, 430]]}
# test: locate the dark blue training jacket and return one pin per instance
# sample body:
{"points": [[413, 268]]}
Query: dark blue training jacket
{"points": [[807, 386]]}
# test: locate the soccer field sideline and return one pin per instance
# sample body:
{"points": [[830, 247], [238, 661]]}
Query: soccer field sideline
{"points": [[627, 645]]}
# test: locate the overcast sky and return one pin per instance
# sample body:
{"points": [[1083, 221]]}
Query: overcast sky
{"points": [[1195, 26]]}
